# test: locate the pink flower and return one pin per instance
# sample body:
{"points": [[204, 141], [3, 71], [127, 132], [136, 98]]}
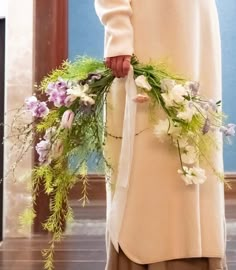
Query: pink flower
{"points": [[57, 149], [68, 101], [140, 98], [67, 119]]}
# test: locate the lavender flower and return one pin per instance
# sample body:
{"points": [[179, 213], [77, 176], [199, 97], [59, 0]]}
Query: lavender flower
{"points": [[31, 103], [206, 127], [43, 148], [57, 92], [41, 110], [193, 87], [61, 84], [68, 101], [228, 130], [37, 108]]}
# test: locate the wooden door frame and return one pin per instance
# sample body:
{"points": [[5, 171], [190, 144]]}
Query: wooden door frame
{"points": [[2, 88], [51, 49]]}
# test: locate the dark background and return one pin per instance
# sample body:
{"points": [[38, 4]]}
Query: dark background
{"points": [[2, 75]]}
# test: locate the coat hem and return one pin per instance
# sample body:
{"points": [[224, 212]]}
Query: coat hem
{"points": [[161, 259]]}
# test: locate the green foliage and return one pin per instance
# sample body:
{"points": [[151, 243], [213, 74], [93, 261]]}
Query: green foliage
{"points": [[60, 72], [83, 172], [82, 66], [77, 70], [26, 219], [50, 120]]}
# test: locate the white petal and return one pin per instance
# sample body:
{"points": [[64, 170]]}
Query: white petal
{"points": [[142, 82], [168, 99], [189, 156], [167, 84]]}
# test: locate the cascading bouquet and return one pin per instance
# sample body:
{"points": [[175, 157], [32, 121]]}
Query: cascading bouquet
{"points": [[69, 124]]}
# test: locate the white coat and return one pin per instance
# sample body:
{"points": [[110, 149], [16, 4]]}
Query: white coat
{"points": [[163, 218]]}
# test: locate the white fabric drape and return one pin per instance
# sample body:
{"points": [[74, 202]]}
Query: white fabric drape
{"points": [[115, 217]]}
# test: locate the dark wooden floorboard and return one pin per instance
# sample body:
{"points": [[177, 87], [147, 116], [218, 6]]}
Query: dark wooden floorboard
{"points": [[85, 251]]}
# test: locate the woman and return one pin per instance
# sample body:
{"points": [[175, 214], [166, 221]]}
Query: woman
{"points": [[165, 224]]}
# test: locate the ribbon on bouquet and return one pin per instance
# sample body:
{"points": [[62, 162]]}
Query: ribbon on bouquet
{"points": [[118, 204]]}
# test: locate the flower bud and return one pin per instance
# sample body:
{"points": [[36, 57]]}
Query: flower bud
{"points": [[141, 98], [67, 119], [57, 149], [142, 82]]}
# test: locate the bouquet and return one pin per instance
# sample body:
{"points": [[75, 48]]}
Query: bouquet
{"points": [[68, 121]]}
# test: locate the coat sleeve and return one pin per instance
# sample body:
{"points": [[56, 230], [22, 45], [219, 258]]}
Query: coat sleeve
{"points": [[115, 15]]}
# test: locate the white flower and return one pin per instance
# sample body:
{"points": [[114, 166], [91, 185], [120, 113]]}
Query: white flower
{"points": [[161, 129], [142, 82], [88, 100], [50, 133], [192, 87], [178, 92], [78, 91], [199, 175], [165, 128], [181, 142], [189, 155], [167, 85], [175, 131], [188, 113], [168, 99], [195, 175], [175, 95]]}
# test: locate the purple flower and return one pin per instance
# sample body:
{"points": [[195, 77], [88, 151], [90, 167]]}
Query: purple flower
{"points": [[194, 87], [43, 148], [206, 126], [61, 84], [57, 92], [228, 130], [37, 108], [41, 110], [31, 103], [68, 101]]}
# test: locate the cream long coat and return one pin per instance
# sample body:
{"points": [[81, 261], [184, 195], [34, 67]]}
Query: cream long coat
{"points": [[163, 218]]}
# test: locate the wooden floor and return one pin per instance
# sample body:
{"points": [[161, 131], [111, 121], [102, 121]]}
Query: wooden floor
{"points": [[84, 246]]}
